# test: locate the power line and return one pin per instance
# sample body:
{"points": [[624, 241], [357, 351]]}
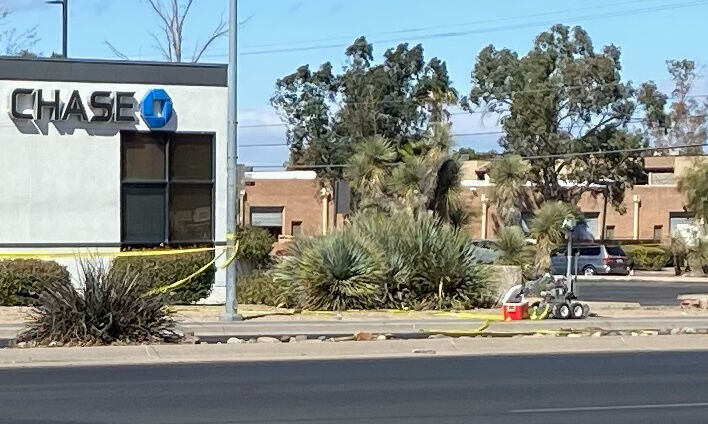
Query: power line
{"points": [[623, 13], [434, 27], [551, 156], [631, 121], [473, 112]]}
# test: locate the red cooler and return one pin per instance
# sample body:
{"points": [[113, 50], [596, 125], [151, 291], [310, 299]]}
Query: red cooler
{"points": [[515, 311]]}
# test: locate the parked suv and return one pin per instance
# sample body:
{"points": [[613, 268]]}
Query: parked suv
{"points": [[591, 260]]}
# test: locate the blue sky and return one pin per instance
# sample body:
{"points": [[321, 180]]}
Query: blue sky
{"points": [[648, 32]]}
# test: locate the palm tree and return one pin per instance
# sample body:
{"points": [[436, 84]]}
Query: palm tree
{"points": [[547, 229], [509, 175], [370, 169]]}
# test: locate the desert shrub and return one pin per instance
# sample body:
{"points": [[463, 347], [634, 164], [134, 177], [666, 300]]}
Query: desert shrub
{"points": [[402, 260], [158, 271], [514, 250], [428, 264], [337, 272], [255, 245], [22, 279], [108, 308], [649, 258], [260, 288]]}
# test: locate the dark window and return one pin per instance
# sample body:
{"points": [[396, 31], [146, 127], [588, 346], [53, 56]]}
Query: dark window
{"points": [[590, 251], [615, 251], [610, 232], [658, 232], [268, 217], [296, 228], [167, 188]]}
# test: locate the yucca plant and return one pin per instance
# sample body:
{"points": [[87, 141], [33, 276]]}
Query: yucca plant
{"points": [[547, 229], [514, 250], [337, 272], [509, 175], [429, 264], [108, 308]]}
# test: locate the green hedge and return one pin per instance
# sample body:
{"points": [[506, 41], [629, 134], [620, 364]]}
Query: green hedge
{"points": [[158, 271], [22, 279], [647, 257], [255, 245], [259, 288]]}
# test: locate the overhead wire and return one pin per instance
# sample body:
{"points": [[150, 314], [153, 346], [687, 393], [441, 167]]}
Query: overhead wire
{"points": [[437, 27], [621, 13], [535, 157]]}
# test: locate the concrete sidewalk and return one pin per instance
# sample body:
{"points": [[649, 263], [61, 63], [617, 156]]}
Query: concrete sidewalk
{"points": [[222, 331], [165, 354]]}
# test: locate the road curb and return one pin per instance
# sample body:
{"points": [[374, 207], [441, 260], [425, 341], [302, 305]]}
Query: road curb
{"points": [[644, 279], [176, 354]]}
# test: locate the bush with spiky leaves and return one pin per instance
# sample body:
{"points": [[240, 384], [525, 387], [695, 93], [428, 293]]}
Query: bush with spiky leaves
{"points": [[547, 229], [509, 175], [514, 249], [337, 272], [429, 264], [108, 308]]}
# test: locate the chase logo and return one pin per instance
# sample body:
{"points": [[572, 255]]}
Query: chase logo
{"points": [[156, 108]]}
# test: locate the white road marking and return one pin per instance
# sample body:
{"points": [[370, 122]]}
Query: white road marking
{"points": [[610, 408]]}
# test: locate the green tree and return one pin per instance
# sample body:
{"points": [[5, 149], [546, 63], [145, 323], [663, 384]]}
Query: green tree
{"points": [[563, 97], [467, 153], [328, 113], [694, 185], [509, 175], [684, 123]]}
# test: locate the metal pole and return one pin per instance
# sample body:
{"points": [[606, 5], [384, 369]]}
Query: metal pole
{"points": [[569, 255], [65, 29], [230, 307]]}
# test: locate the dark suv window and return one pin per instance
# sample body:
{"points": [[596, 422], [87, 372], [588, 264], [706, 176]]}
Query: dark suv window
{"points": [[590, 251], [615, 251]]}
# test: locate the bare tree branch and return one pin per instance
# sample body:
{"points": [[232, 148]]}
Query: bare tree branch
{"points": [[184, 14], [166, 54], [220, 31], [115, 51]]}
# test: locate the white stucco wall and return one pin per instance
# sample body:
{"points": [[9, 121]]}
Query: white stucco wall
{"points": [[60, 181]]}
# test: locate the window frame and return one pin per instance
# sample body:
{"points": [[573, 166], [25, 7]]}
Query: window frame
{"points": [[167, 182]]}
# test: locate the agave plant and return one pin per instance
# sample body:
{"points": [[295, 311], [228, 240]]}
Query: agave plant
{"points": [[547, 229], [509, 175], [108, 308]]}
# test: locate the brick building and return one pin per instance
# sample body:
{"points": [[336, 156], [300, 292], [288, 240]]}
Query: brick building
{"points": [[653, 210], [287, 203], [290, 203]]}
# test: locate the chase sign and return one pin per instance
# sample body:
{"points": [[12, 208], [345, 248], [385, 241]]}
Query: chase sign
{"points": [[156, 108], [27, 104]]}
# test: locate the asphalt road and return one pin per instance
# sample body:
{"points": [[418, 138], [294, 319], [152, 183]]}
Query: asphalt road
{"points": [[627, 388], [646, 293]]}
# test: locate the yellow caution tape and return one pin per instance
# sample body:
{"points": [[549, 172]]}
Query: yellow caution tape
{"points": [[104, 254], [233, 256], [474, 332], [472, 315], [176, 284]]}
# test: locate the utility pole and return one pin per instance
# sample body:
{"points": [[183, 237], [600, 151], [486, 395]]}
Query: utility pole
{"points": [[232, 200], [65, 25]]}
